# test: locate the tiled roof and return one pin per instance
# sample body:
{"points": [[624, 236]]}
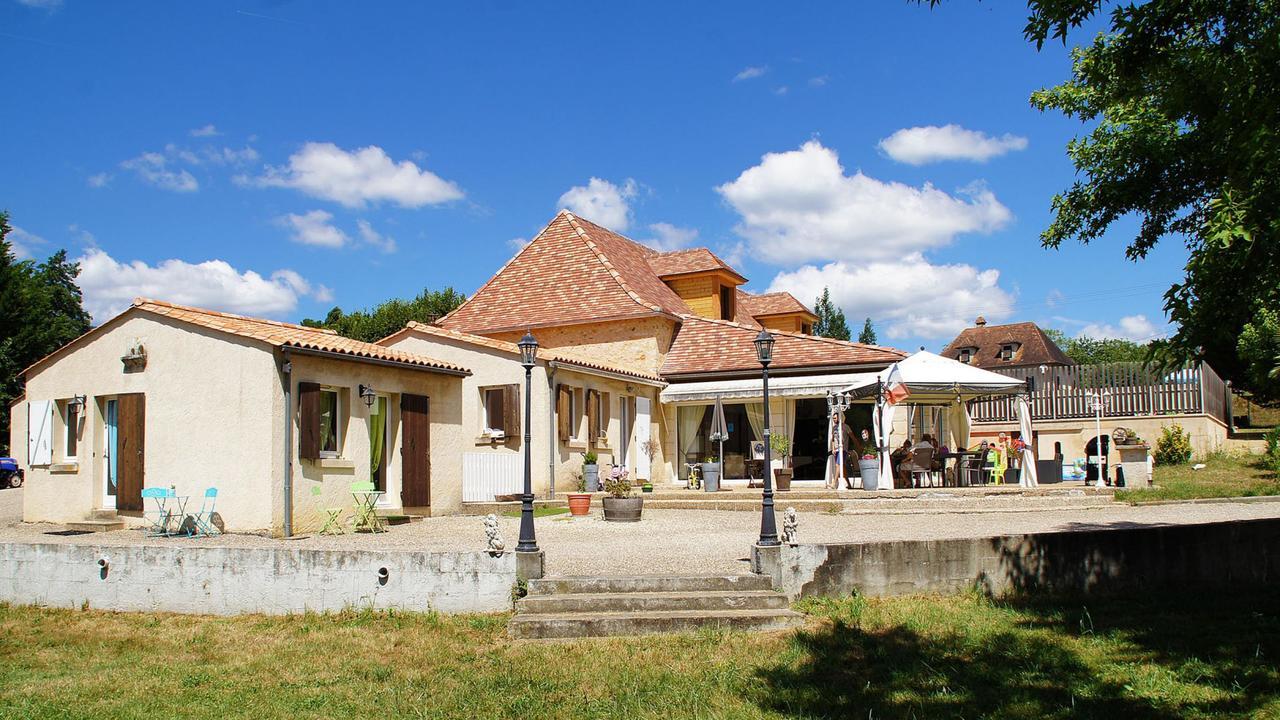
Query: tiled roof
{"points": [[774, 303], [682, 262], [741, 313], [573, 272], [286, 335], [704, 346], [509, 347], [1035, 348]]}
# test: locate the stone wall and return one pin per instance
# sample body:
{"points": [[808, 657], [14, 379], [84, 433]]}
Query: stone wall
{"points": [[229, 581], [1229, 554]]}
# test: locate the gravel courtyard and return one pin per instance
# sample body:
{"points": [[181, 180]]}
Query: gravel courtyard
{"points": [[675, 541]]}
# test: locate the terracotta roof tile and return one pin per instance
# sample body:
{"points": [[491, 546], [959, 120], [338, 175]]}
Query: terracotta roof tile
{"points": [[573, 272], [682, 262], [1034, 347], [704, 345], [774, 303], [509, 347]]}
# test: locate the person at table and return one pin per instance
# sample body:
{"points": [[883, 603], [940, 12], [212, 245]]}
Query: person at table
{"points": [[901, 459]]}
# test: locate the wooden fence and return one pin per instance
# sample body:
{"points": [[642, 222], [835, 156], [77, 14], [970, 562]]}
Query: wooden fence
{"points": [[1131, 390]]}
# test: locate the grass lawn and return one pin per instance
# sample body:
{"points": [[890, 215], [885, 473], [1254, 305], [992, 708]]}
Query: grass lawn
{"points": [[539, 511], [1163, 655], [1224, 475]]}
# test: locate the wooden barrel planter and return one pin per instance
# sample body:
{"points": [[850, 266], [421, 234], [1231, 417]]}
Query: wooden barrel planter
{"points": [[623, 509]]}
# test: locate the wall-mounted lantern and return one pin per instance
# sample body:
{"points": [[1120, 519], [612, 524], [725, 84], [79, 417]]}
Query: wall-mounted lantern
{"points": [[367, 395]]}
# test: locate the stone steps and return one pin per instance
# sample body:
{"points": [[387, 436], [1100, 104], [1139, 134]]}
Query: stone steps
{"points": [[97, 524], [577, 607]]}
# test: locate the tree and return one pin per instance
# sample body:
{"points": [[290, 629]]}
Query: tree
{"points": [[1259, 349], [868, 334], [1180, 98], [831, 322], [390, 316], [1093, 351], [41, 310]]}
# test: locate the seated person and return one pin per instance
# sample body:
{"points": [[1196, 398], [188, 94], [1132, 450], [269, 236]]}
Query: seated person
{"points": [[901, 459]]}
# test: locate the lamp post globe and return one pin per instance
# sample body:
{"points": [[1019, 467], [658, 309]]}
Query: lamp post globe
{"points": [[528, 356], [768, 523]]}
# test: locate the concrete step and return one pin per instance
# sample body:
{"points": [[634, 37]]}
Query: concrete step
{"points": [[648, 584], [96, 525], [570, 603], [605, 624], [103, 515]]}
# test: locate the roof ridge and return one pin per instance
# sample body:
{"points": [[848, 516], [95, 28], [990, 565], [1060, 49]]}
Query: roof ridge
{"points": [[140, 301], [606, 263]]}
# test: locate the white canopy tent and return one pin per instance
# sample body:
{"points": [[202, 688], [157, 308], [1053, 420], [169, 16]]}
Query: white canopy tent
{"points": [[929, 379]]}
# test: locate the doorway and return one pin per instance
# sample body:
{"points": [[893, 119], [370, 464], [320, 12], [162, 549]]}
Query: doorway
{"points": [[415, 449], [124, 446], [110, 421]]}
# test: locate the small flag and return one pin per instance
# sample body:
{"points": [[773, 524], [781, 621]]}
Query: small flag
{"points": [[896, 390]]}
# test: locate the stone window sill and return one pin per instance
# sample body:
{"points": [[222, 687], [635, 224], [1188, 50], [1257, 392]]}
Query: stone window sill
{"points": [[336, 463], [65, 468], [576, 445], [492, 440]]}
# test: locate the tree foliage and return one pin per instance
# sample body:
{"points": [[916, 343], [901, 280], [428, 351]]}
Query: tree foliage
{"points": [[390, 316], [831, 321], [1094, 351], [1259, 350], [40, 311], [868, 334]]}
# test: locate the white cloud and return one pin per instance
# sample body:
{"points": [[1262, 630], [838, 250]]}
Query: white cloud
{"points": [[109, 286], [373, 237], [154, 169], [206, 131], [23, 242], [783, 90], [909, 297], [819, 81], [931, 143], [602, 202], [356, 178], [314, 228], [43, 4], [668, 237], [99, 180], [800, 206], [1132, 327], [750, 73], [518, 243]]}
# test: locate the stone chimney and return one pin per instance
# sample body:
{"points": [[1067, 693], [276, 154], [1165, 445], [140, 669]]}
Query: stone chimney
{"points": [[980, 321]]}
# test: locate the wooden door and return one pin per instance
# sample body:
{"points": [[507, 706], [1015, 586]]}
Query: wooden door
{"points": [[131, 446], [415, 451]]}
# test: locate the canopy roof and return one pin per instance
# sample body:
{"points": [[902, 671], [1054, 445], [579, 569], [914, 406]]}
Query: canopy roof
{"points": [[803, 386], [934, 379]]}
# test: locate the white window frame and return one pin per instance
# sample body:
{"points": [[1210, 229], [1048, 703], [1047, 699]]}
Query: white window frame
{"points": [[71, 432], [1008, 350], [339, 425], [487, 428], [966, 356]]}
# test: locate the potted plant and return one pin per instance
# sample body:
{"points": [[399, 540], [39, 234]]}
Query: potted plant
{"points": [[781, 446], [590, 471], [649, 448], [868, 461], [580, 501], [619, 505], [711, 474]]}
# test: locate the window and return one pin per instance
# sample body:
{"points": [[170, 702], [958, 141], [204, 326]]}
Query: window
{"points": [[806, 328], [966, 355], [493, 412], [501, 411], [73, 428], [1008, 350], [330, 427], [597, 415], [726, 302]]}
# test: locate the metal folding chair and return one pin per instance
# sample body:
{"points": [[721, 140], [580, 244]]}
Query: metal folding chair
{"points": [[204, 516], [158, 517], [333, 523]]}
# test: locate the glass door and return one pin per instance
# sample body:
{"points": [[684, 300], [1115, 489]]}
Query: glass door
{"points": [[109, 445]]}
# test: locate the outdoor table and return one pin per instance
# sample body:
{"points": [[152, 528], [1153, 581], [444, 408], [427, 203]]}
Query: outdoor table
{"points": [[959, 457], [180, 506], [367, 518]]}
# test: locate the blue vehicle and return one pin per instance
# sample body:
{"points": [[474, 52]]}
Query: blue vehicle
{"points": [[10, 474]]}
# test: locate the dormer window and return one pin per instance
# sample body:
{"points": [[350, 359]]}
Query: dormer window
{"points": [[1008, 350], [966, 355], [727, 306]]}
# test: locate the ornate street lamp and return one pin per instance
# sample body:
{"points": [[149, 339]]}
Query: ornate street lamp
{"points": [[528, 356], [768, 525]]}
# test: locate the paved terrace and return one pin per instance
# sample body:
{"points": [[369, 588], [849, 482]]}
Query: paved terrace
{"points": [[684, 541]]}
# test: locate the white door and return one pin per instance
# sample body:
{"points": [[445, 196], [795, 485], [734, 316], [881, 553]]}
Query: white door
{"points": [[642, 436], [109, 412]]}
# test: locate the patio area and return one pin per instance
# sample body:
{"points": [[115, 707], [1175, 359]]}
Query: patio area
{"points": [[677, 541]]}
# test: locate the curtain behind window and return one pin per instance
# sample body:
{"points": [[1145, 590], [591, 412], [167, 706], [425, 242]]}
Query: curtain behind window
{"points": [[689, 419], [328, 413], [377, 435]]}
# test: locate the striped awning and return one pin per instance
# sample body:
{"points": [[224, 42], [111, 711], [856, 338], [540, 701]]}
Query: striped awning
{"points": [[796, 387]]}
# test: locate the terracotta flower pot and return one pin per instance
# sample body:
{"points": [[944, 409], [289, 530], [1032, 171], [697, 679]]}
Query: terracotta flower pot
{"points": [[579, 503], [782, 478]]}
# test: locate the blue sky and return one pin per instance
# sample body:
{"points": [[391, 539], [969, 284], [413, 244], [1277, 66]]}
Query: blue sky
{"points": [[279, 158]]}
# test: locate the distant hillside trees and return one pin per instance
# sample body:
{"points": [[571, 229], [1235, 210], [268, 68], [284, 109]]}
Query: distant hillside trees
{"points": [[831, 322], [390, 316], [1094, 351], [40, 311]]}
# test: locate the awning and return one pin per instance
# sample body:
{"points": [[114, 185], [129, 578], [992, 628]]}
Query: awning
{"points": [[791, 386], [933, 379]]}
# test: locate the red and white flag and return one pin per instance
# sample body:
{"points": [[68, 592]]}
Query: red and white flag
{"points": [[895, 389]]}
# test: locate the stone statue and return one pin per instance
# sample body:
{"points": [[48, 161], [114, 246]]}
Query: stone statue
{"points": [[790, 524], [496, 543]]}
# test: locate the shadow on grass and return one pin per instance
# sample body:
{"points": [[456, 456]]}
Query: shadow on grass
{"points": [[1038, 658]]}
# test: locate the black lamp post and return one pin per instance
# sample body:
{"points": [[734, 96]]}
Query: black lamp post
{"points": [[528, 356], [768, 524]]}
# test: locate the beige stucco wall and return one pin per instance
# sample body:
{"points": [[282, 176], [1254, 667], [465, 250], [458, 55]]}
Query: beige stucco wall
{"points": [[1207, 433], [639, 345], [333, 477], [207, 420]]}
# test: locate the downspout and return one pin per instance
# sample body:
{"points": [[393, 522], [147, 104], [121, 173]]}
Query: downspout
{"points": [[552, 439], [286, 369]]}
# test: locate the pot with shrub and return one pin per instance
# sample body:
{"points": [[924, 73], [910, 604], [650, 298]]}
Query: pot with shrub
{"points": [[580, 501], [590, 471], [868, 461], [649, 448], [780, 445], [619, 504]]}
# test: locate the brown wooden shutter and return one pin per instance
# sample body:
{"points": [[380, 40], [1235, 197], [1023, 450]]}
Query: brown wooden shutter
{"points": [[309, 422], [131, 447], [415, 451], [593, 416], [606, 412], [511, 410], [562, 412]]}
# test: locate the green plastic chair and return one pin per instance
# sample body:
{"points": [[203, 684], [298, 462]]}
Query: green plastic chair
{"points": [[367, 518], [333, 523], [999, 463]]}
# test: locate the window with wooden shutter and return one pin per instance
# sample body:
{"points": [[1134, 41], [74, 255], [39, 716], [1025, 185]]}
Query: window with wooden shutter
{"points": [[494, 411], [564, 402], [593, 415], [606, 413], [511, 410], [309, 420]]}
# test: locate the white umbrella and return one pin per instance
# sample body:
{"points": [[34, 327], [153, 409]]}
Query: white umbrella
{"points": [[719, 432]]}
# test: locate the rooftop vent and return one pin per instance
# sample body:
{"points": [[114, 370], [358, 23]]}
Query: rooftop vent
{"points": [[980, 321]]}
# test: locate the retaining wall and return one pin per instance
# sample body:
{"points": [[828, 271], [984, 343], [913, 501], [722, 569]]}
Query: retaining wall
{"points": [[229, 581], [1225, 554]]}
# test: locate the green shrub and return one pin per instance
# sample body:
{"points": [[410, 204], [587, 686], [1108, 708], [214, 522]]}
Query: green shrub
{"points": [[1272, 457], [1174, 446]]}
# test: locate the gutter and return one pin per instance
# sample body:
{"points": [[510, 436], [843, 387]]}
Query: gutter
{"points": [[586, 370], [286, 371], [377, 361]]}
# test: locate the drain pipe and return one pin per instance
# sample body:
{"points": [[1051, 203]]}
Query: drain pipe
{"points": [[286, 369], [552, 437]]}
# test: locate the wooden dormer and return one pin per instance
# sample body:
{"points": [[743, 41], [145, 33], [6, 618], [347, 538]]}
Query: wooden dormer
{"points": [[779, 311], [705, 282]]}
